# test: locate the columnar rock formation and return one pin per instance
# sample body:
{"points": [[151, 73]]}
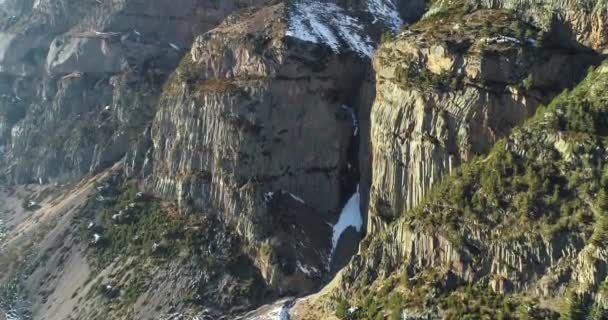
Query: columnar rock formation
{"points": [[250, 123], [251, 115], [446, 92]]}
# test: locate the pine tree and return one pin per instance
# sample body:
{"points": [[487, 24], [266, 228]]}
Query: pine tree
{"points": [[601, 201], [573, 307], [600, 232]]}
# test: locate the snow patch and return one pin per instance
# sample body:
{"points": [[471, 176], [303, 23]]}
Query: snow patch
{"points": [[278, 313], [327, 23], [11, 315], [307, 270], [385, 11], [268, 196], [284, 314], [501, 39], [349, 217], [298, 199]]}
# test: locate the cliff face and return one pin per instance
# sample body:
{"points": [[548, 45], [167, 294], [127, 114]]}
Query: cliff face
{"points": [[257, 128], [245, 119], [229, 144], [526, 221], [81, 80], [447, 90], [255, 114]]}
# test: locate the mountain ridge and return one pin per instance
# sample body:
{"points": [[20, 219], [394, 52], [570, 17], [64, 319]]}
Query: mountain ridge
{"points": [[190, 160]]}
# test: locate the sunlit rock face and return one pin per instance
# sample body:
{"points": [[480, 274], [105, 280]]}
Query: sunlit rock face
{"points": [[443, 99]]}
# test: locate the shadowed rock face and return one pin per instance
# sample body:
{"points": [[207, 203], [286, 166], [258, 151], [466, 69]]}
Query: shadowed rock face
{"points": [[81, 79]]}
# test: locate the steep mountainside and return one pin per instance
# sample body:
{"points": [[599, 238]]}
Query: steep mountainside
{"points": [[69, 64], [447, 89], [203, 159], [519, 232], [241, 158]]}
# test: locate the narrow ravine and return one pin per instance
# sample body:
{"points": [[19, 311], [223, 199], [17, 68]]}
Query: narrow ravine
{"points": [[345, 232]]}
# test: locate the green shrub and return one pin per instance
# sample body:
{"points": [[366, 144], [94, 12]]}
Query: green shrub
{"points": [[528, 82], [573, 306]]}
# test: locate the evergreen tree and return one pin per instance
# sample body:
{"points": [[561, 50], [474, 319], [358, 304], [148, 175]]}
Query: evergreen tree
{"points": [[573, 307]]}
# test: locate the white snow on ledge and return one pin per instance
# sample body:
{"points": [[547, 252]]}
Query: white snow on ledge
{"points": [[327, 23], [350, 217]]}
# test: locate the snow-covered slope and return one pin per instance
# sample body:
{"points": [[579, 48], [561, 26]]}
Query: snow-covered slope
{"points": [[342, 28], [385, 11]]}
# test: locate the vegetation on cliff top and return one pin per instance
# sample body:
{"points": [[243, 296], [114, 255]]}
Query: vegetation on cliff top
{"points": [[460, 33]]}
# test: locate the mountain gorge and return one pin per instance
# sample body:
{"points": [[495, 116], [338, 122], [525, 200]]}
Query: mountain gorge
{"points": [[303, 159]]}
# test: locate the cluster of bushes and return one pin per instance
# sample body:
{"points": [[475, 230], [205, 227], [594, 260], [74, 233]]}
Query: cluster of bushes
{"points": [[492, 23], [580, 306], [517, 29], [412, 74], [424, 296], [120, 222]]}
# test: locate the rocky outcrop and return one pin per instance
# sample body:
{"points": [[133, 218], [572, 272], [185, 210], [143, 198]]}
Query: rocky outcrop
{"points": [[571, 22], [252, 116], [445, 93], [269, 104], [518, 265], [474, 228]]}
